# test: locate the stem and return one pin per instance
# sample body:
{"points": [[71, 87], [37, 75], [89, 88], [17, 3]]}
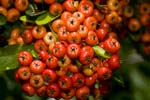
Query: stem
{"points": [[100, 6], [54, 34]]}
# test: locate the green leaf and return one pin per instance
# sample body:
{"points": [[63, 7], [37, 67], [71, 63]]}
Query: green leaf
{"points": [[101, 52], [45, 18], [34, 53], [100, 6], [8, 62], [9, 54], [78, 63], [3, 19], [25, 18]]}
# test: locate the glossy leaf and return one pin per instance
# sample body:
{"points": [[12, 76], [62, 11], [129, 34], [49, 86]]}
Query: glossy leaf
{"points": [[25, 18], [101, 52], [45, 19]]}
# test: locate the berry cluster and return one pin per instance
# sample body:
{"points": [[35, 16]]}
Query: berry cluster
{"points": [[77, 52]]}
